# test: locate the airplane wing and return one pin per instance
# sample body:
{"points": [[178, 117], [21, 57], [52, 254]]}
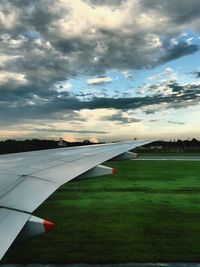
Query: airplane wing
{"points": [[28, 179]]}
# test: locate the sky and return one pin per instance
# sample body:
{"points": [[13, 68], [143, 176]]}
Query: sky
{"points": [[101, 70]]}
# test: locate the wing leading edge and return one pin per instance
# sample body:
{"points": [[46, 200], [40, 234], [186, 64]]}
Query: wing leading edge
{"points": [[28, 179]]}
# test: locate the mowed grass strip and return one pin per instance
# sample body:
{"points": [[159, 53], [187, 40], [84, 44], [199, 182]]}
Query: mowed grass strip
{"points": [[148, 212]]}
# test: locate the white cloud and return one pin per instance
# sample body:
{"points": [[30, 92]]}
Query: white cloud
{"points": [[167, 73], [13, 77], [8, 19], [63, 87], [127, 75], [6, 59], [72, 25], [159, 83], [99, 80]]}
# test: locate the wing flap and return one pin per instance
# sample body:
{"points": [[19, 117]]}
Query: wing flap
{"points": [[11, 223], [27, 194]]}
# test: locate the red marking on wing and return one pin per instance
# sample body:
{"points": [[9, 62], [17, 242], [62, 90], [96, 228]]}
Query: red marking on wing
{"points": [[49, 226], [114, 171]]}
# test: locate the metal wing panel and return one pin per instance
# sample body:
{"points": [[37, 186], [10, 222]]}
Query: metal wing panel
{"points": [[27, 193], [11, 223], [66, 172], [25, 163]]}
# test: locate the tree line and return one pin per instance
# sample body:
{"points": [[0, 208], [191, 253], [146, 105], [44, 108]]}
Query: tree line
{"points": [[14, 146]]}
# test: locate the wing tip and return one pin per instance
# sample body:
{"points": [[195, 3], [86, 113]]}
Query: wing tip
{"points": [[48, 226], [114, 170]]}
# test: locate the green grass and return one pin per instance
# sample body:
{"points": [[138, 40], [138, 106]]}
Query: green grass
{"points": [[148, 212]]}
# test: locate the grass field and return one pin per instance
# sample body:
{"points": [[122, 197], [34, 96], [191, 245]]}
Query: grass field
{"points": [[148, 212]]}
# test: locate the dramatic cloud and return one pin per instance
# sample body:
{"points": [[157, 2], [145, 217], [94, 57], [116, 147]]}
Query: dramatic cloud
{"points": [[172, 95], [49, 42], [46, 44]]}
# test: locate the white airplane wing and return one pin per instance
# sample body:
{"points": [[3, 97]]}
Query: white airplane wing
{"points": [[27, 179]]}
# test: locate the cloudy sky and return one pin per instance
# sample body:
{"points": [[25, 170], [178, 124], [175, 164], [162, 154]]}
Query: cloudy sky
{"points": [[99, 69]]}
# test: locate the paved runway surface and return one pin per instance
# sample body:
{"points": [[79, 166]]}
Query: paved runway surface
{"points": [[107, 265], [191, 158]]}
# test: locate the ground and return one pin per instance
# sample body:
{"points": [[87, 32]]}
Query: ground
{"points": [[148, 212]]}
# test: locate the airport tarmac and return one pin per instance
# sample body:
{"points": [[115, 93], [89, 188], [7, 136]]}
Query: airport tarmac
{"points": [[187, 158], [107, 265]]}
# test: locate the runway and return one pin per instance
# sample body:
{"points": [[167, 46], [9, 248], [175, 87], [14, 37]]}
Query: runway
{"points": [[186, 158], [107, 265]]}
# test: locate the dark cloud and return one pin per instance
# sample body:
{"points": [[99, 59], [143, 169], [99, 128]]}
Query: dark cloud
{"points": [[63, 108], [153, 120], [176, 122], [185, 12], [197, 74], [52, 130], [121, 118], [179, 50]]}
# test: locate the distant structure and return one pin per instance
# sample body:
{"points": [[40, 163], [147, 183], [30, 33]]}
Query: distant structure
{"points": [[86, 142], [156, 147], [192, 145], [62, 143]]}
